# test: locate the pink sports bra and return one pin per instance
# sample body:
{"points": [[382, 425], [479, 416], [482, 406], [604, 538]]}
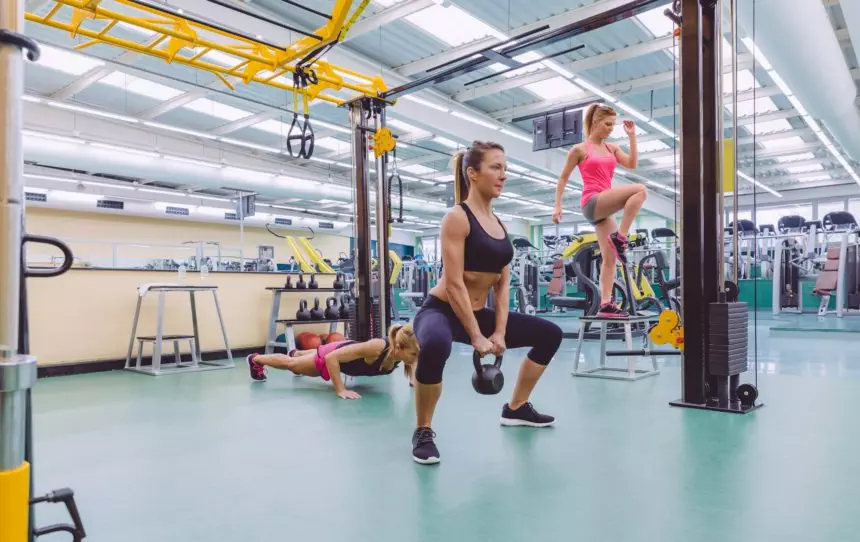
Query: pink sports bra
{"points": [[596, 173]]}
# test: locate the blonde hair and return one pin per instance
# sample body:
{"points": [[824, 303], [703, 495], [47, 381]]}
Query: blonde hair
{"points": [[470, 158], [400, 337], [596, 113]]}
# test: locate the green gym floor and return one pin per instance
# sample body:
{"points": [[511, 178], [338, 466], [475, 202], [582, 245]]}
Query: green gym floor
{"points": [[213, 457]]}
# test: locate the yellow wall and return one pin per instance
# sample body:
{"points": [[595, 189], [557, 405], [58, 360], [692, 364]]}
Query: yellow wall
{"points": [[86, 315], [76, 226]]}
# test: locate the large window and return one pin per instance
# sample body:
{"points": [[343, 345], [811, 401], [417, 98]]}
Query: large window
{"points": [[771, 215], [854, 207], [830, 207]]}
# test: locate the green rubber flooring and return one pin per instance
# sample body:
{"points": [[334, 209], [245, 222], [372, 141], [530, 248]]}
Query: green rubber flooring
{"points": [[213, 457]]}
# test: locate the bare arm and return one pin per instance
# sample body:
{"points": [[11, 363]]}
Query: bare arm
{"points": [[630, 161], [573, 159], [333, 359], [455, 228], [501, 293]]}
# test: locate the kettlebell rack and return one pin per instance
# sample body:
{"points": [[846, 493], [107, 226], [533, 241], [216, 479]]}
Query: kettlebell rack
{"points": [[290, 323]]}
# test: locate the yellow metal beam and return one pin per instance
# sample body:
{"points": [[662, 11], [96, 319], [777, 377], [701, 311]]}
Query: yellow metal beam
{"points": [[176, 36]]}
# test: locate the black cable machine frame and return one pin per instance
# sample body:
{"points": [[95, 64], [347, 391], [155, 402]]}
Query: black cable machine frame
{"points": [[710, 372]]}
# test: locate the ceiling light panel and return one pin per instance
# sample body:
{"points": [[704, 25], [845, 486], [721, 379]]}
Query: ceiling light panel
{"points": [[67, 61], [452, 25], [143, 87]]}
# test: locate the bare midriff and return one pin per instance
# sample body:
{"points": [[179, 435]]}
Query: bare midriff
{"points": [[478, 285]]}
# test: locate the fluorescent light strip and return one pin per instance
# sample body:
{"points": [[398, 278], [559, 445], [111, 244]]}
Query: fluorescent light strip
{"points": [[52, 137], [746, 177], [813, 125], [129, 150], [516, 135], [193, 161], [95, 112], [425, 103], [179, 130], [475, 120]]}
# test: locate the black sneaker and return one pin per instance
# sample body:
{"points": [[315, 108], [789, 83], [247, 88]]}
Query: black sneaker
{"points": [[424, 450], [609, 310], [526, 415], [258, 370], [619, 244]]}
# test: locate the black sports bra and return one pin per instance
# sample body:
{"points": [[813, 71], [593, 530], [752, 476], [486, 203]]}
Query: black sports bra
{"points": [[484, 253], [359, 367]]}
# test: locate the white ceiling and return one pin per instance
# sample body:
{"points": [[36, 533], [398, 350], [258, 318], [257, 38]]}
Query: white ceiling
{"points": [[220, 137]]}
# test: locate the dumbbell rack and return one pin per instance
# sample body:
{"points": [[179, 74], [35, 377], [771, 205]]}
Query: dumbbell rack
{"points": [[289, 332]]}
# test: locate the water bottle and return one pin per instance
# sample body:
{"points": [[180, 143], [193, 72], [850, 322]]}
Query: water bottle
{"points": [[204, 272], [182, 272]]}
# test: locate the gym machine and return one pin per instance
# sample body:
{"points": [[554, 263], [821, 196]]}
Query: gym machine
{"points": [[716, 334], [18, 371]]}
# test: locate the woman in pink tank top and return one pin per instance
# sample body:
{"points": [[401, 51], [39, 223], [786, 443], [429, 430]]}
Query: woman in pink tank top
{"points": [[600, 201]]}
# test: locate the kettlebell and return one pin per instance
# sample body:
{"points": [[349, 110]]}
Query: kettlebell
{"points": [[289, 284], [487, 378], [313, 283], [317, 312], [344, 311], [302, 313], [301, 283], [338, 282], [331, 312]]}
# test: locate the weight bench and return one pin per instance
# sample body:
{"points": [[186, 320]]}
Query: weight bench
{"points": [[632, 373]]}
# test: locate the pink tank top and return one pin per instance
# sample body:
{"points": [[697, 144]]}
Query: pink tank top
{"points": [[596, 173]]}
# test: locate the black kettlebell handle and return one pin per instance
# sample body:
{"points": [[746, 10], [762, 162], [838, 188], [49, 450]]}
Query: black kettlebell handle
{"points": [[476, 361]]}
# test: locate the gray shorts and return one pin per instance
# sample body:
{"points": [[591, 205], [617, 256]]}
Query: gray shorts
{"points": [[588, 210]]}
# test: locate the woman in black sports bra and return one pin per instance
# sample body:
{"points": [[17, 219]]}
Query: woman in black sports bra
{"points": [[476, 254]]}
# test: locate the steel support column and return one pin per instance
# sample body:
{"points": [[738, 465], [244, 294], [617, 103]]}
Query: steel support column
{"points": [[361, 212], [692, 284]]}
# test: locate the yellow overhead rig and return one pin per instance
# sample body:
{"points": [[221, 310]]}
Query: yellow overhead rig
{"points": [[180, 39]]}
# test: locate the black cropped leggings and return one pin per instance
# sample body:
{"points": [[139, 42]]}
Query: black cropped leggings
{"points": [[437, 328]]}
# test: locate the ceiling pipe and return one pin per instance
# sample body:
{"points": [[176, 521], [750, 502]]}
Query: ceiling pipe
{"points": [[798, 40]]}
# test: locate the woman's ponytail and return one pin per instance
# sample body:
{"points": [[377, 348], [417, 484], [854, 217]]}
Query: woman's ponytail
{"points": [[588, 122], [461, 180]]}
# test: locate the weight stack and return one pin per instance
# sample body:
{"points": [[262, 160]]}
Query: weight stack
{"points": [[375, 323], [729, 338]]}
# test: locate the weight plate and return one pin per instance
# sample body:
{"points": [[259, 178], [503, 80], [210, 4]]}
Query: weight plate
{"points": [[747, 393], [732, 291]]}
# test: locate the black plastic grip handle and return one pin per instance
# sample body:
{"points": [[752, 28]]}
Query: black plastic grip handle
{"points": [[22, 42], [68, 258]]}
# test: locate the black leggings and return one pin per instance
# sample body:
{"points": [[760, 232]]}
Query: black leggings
{"points": [[437, 328]]}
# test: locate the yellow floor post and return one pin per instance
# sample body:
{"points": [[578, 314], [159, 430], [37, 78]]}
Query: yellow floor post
{"points": [[14, 503]]}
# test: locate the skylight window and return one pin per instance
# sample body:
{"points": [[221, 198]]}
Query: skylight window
{"points": [[656, 23], [67, 61], [779, 125], [805, 169], [795, 157], [754, 107], [817, 178], [418, 169], [216, 109], [445, 142], [619, 133], [785, 143], [552, 89], [452, 25], [144, 87], [332, 144], [663, 160], [273, 127], [746, 81], [407, 128], [652, 146]]}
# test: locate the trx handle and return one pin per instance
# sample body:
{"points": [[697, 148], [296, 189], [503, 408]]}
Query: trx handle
{"points": [[305, 137], [68, 257], [22, 42]]}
